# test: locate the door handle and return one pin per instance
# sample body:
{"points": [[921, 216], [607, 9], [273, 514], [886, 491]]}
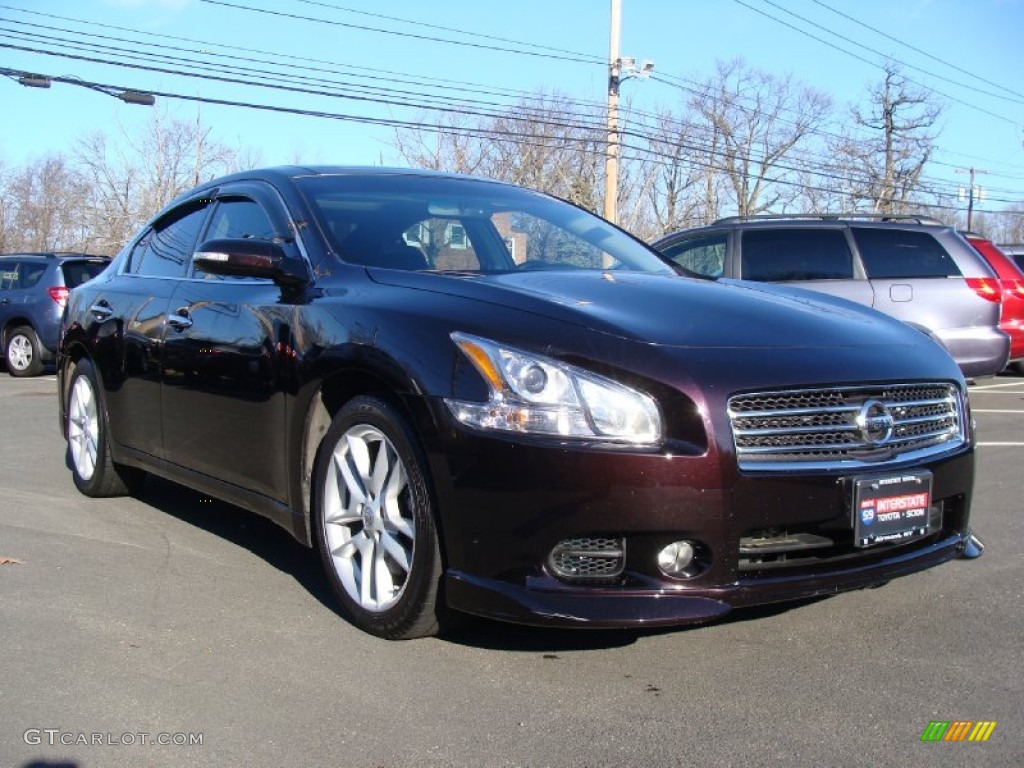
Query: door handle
{"points": [[101, 310], [5, 301], [179, 319]]}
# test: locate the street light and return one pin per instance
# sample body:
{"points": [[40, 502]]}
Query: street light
{"points": [[136, 97], [34, 81]]}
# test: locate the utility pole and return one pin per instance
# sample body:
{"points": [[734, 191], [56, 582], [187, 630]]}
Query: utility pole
{"points": [[199, 144], [611, 158], [619, 69], [971, 192]]}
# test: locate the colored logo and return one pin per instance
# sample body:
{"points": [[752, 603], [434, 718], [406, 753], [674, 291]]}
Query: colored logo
{"points": [[867, 513], [958, 730]]}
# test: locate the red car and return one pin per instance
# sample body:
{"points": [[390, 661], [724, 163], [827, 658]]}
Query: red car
{"points": [[1012, 280]]}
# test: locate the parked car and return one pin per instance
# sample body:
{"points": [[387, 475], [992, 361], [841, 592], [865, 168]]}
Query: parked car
{"points": [[911, 267], [470, 397], [1011, 279], [33, 290]]}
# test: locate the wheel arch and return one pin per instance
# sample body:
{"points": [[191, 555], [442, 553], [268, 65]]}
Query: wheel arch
{"points": [[336, 388], [13, 322], [71, 354]]}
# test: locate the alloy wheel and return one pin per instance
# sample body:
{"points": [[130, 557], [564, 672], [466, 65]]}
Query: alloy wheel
{"points": [[83, 427], [368, 524], [19, 353]]}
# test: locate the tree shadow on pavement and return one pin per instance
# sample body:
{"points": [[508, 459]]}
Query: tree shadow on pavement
{"points": [[253, 532], [276, 546]]}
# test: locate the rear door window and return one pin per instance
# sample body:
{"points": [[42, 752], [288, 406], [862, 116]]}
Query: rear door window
{"points": [[902, 254], [9, 271], [30, 274], [166, 249], [780, 255]]}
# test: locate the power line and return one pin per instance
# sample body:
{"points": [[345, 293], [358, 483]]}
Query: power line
{"points": [[535, 117], [905, 44], [453, 29], [209, 45], [886, 56], [556, 120], [863, 59], [695, 89], [413, 79], [380, 30], [585, 143], [570, 120]]}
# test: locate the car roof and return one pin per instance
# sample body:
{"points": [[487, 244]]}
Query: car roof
{"points": [[283, 174], [812, 220]]}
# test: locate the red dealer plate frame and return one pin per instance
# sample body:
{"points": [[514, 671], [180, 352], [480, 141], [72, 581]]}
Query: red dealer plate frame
{"points": [[891, 509]]}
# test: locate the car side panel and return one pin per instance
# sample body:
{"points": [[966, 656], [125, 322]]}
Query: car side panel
{"points": [[127, 349], [225, 381]]}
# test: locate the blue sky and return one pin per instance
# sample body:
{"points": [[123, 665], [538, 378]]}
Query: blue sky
{"points": [[981, 39]]}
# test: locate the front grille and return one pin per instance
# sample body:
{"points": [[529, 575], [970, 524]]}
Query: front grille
{"points": [[588, 558], [845, 426]]}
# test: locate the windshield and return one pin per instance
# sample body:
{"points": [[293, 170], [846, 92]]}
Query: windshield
{"points": [[463, 225]]}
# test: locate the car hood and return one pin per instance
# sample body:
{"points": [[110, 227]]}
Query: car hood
{"points": [[673, 311]]}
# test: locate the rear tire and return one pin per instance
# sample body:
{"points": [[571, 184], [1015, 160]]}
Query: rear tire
{"points": [[374, 525], [94, 472], [22, 352]]}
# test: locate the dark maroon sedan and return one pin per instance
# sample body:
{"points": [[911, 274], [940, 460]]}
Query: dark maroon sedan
{"points": [[468, 396]]}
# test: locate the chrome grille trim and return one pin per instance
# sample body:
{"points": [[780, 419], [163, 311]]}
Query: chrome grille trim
{"points": [[818, 427]]}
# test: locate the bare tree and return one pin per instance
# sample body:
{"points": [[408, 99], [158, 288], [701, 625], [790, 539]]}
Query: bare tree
{"points": [[747, 124], [892, 142], [685, 189], [6, 212], [41, 207], [454, 147], [545, 142], [132, 175]]}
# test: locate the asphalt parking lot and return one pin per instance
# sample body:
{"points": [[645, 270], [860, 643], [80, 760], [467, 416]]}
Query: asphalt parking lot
{"points": [[174, 618]]}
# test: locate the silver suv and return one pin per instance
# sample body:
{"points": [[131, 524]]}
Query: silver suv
{"points": [[911, 267]]}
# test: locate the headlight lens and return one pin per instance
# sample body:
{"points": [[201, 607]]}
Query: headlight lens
{"points": [[535, 394]]}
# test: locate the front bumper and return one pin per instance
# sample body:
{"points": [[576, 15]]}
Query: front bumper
{"points": [[505, 505], [599, 608]]}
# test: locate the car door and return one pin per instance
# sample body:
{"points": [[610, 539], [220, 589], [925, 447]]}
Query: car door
{"points": [[128, 320], [228, 358]]}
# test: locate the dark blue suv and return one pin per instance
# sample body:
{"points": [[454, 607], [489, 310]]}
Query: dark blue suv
{"points": [[33, 291]]}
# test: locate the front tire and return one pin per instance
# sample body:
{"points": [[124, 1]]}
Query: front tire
{"points": [[22, 352], [374, 522], [95, 473]]}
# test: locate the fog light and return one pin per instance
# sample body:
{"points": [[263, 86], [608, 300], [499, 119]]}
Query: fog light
{"points": [[676, 558]]}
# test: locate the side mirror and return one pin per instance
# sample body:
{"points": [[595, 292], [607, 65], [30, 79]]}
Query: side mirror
{"points": [[249, 258]]}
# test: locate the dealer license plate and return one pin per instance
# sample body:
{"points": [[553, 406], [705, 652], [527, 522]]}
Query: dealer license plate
{"points": [[892, 508]]}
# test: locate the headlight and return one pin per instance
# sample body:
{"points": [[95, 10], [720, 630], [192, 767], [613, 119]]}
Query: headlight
{"points": [[538, 395]]}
